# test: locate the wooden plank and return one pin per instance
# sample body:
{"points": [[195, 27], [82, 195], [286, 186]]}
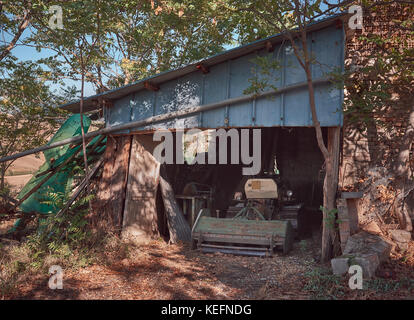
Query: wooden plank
{"points": [[177, 224], [109, 204], [242, 227], [140, 213]]}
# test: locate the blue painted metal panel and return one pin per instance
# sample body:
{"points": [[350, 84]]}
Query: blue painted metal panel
{"points": [[328, 105], [189, 94], [215, 90], [295, 113], [119, 113], [230, 79], [327, 46], [268, 111], [241, 71], [142, 106], [294, 73]]}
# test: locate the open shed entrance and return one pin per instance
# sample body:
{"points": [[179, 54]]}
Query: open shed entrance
{"points": [[299, 162]]}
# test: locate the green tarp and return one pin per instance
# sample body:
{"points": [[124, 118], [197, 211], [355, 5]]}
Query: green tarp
{"points": [[59, 182]]}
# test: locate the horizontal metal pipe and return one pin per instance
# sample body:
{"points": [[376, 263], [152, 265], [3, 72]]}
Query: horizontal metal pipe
{"points": [[163, 117]]}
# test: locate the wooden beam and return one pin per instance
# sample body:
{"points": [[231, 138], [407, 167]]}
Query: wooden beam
{"points": [[150, 86], [269, 46], [203, 68], [103, 103], [334, 134]]}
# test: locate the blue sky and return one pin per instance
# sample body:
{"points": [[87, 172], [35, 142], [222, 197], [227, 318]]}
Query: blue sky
{"points": [[25, 53]]}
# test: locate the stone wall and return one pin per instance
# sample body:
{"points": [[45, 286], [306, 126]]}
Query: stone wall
{"points": [[366, 146]]}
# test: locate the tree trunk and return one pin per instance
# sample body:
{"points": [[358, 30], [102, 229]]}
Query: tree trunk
{"points": [[329, 189], [2, 178], [403, 181], [330, 239], [329, 186], [328, 204]]}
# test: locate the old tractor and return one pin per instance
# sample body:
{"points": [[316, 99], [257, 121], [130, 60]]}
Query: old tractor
{"points": [[264, 220]]}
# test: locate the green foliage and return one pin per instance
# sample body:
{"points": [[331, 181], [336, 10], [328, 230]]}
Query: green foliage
{"points": [[62, 234], [331, 221], [324, 285], [118, 42], [380, 285], [265, 74], [377, 78], [27, 113]]}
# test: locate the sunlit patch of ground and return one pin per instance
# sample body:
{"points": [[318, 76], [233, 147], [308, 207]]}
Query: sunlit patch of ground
{"points": [[16, 183], [162, 271]]}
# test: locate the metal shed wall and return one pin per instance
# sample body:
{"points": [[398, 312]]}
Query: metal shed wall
{"points": [[229, 79]]}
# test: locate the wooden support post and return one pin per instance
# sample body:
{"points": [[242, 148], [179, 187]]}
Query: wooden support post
{"points": [[334, 134], [203, 68], [344, 226]]}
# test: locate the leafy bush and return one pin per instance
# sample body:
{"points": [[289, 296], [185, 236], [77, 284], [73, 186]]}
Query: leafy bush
{"points": [[62, 234]]}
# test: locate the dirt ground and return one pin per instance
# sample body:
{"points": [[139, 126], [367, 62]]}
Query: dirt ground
{"points": [[22, 170], [162, 271], [17, 182], [27, 164]]}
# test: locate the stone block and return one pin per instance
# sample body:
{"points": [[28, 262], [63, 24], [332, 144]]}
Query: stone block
{"points": [[400, 235], [340, 265], [364, 249], [369, 263]]}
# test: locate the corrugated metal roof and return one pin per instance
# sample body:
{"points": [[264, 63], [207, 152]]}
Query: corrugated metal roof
{"points": [[90, 102]]}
